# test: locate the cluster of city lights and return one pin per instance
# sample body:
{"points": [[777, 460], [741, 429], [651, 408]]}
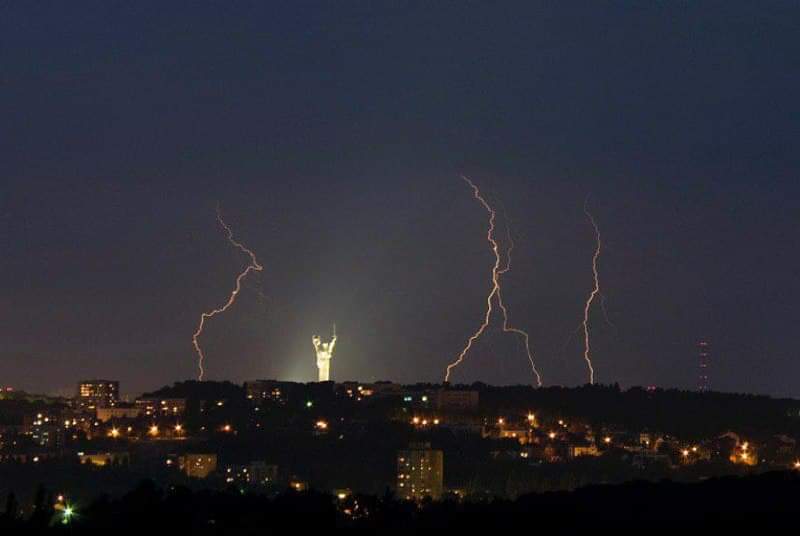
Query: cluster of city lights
{"points": [[423, 421], [688, 452], [530, 418], [359, 393], [745, 453], [153, 430]]}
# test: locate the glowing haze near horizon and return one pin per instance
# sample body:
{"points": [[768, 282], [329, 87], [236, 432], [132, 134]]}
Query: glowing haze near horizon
{"points": [[334, 137]]}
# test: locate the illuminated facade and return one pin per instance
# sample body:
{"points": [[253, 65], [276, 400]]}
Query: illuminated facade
{"points": [[103, 459], [198, 465], [521, 435], [420, 472], [93, 394], [161, 406], [120, 411], [47, 435], [324, 352], [577, 450]]}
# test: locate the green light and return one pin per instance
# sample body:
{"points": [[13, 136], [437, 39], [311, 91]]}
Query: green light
{"points": [[309, 404], [67, 515]]}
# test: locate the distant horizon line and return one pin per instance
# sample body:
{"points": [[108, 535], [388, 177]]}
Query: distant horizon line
{"points": [[596, 386]]}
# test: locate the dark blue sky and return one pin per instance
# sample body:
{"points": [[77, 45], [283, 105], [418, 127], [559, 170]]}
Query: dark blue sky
{"points": [[333, 135]]}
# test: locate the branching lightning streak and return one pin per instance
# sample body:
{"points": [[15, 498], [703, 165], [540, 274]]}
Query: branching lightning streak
{"points": [[580, 326], [595, 291], [605, 311], [507, 327], [254, 266], [496, 292]]}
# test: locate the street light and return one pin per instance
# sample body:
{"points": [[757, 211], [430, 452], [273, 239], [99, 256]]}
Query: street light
{"points": [[67, 515]]}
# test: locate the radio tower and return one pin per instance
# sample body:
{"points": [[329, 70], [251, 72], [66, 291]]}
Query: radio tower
{"points": [[704, 355]]}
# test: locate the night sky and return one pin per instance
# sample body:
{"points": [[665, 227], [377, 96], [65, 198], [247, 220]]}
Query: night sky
{"points": [[333, 134]]}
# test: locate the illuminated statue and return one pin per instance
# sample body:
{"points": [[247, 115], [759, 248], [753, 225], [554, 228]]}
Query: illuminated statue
{"points": [[324, 354]]}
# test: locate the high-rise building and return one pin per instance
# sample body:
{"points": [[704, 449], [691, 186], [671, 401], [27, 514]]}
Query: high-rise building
{"points": [[93, 394], [420, 472], [704, 355], [47, 435]]}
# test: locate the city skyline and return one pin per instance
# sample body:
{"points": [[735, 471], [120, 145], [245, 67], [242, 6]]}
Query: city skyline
{"points": [[455, 265]]}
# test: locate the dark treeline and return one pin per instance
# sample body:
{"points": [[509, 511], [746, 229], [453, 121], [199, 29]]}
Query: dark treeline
{"points": [[770, 496], [672, 411], [194, 390]]}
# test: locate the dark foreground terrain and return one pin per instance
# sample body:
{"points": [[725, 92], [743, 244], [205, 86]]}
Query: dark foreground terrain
{"points": [[769, 498]]}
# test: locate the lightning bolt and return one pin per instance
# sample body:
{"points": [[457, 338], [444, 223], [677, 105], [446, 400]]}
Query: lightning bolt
{"points": [[605, 311], [495, 293], [587, 351], [254, 266], [507, 327], [580, 326]]}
